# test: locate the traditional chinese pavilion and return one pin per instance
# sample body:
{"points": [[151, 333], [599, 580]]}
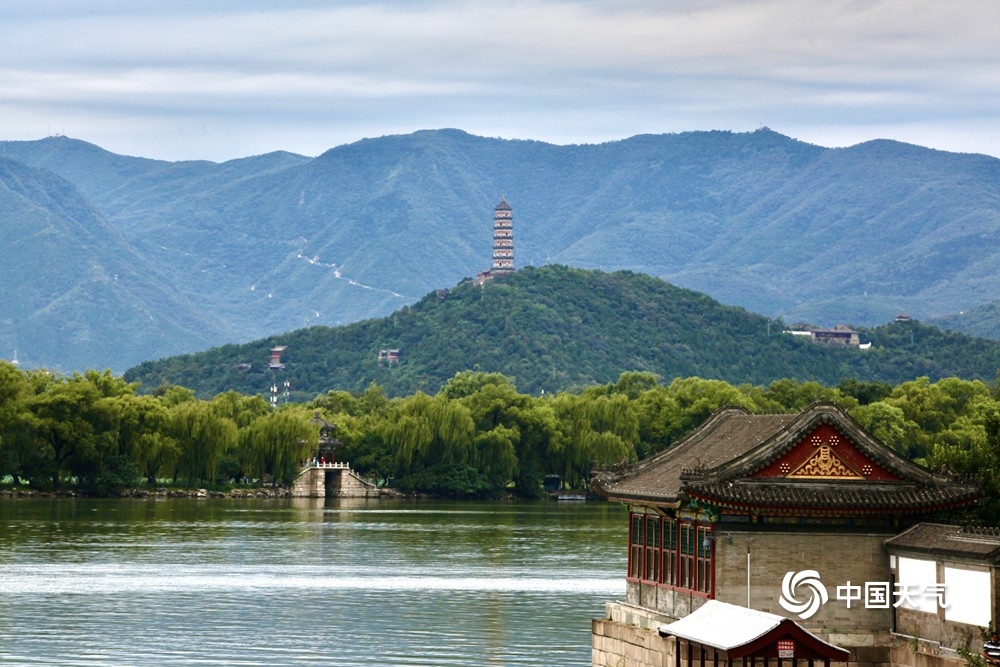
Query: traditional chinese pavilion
{"points": [[745, 500]]}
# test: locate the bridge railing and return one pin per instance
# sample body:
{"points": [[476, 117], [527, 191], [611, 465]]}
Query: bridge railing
{"points": [[338, 465]]}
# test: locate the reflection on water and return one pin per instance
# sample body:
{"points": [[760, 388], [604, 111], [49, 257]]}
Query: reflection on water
{"points": [[187, 582]]}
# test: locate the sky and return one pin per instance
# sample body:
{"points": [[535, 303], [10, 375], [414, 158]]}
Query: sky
{"points": [[224, 79]]}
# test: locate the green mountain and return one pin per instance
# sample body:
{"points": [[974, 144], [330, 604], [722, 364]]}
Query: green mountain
{"points": [[554, 328], [279, 242], [73, 287]]}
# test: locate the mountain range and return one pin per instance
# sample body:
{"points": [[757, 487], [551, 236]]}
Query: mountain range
{"points": [[111, 260]]}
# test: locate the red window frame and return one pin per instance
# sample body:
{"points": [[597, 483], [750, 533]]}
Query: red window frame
{"points": [[674, 553]]}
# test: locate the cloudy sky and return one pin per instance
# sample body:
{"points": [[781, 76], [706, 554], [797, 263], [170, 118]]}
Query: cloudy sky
{"points": [[219, 79]]}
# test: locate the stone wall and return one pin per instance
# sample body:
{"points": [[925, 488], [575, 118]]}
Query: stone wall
{"points": [[673, 604], [349, 485], [309, 484], [627, 637], [912, 652], [936, 626], [840, 559], [933, 629]]}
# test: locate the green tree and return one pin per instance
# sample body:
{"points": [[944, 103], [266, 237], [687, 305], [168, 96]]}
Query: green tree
{"points": [[241, 409], [793, 396], [522, 432], [667, 414], [597, 430], [143, 434], [203, 436], [277, 442], [429, 430], [885, 422], [864, 393], [15, 447], [977, 458], [337, 402], [364, 446], [932, 410], [71, 424], [466, 383], [634, 383]]}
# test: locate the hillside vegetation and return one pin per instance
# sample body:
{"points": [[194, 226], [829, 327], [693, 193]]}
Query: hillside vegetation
{"points": [[553, 329], [237, 251]]}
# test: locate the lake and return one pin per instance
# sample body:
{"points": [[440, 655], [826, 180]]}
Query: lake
{"points": [[296, 582]]}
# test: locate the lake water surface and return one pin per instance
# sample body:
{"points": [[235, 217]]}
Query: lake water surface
{"points": [[296, 582]]}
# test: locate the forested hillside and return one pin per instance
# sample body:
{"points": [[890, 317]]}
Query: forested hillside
{"points": [[71, 282], [269, 244], [982, 321], [555, 328]]}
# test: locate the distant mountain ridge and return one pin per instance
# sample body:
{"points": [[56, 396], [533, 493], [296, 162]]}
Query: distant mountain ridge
{"points": [[249, 248], [64, 271]]}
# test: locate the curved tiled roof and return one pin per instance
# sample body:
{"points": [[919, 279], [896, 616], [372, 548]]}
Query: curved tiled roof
{"points": [[961, 542], [728, 433], [857, 497], [717, 461], [800, 426]]}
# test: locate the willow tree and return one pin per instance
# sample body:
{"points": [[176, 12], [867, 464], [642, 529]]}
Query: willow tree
{"points": [[71, 425], [202, 435], [427, 431], [15, 445], [516, 435], [276, 444], [598, 430], [241, 409]]}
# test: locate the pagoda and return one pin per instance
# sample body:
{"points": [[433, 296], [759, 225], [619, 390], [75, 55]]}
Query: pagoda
{"points": [[503, 238]]}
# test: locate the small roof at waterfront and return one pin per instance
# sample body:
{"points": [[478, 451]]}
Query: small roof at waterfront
{"points": [[741, 632]]}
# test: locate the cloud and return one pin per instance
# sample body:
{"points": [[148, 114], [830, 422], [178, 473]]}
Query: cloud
{"points": [[222, 79]]}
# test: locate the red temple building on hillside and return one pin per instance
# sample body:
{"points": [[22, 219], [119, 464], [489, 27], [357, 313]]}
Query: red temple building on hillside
{"points": [[274, 360], [785, 514]]}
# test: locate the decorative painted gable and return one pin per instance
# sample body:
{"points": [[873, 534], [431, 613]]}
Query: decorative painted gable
{"points": [[825, 454]]}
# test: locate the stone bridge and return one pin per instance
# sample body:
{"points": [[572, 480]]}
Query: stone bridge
{"points": [[332, 480]]}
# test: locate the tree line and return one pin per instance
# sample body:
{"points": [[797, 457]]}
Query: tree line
{"points": [[476, 437]]}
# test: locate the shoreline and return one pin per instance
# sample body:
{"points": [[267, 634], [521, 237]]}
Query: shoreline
{"points": [[159, 492]]}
